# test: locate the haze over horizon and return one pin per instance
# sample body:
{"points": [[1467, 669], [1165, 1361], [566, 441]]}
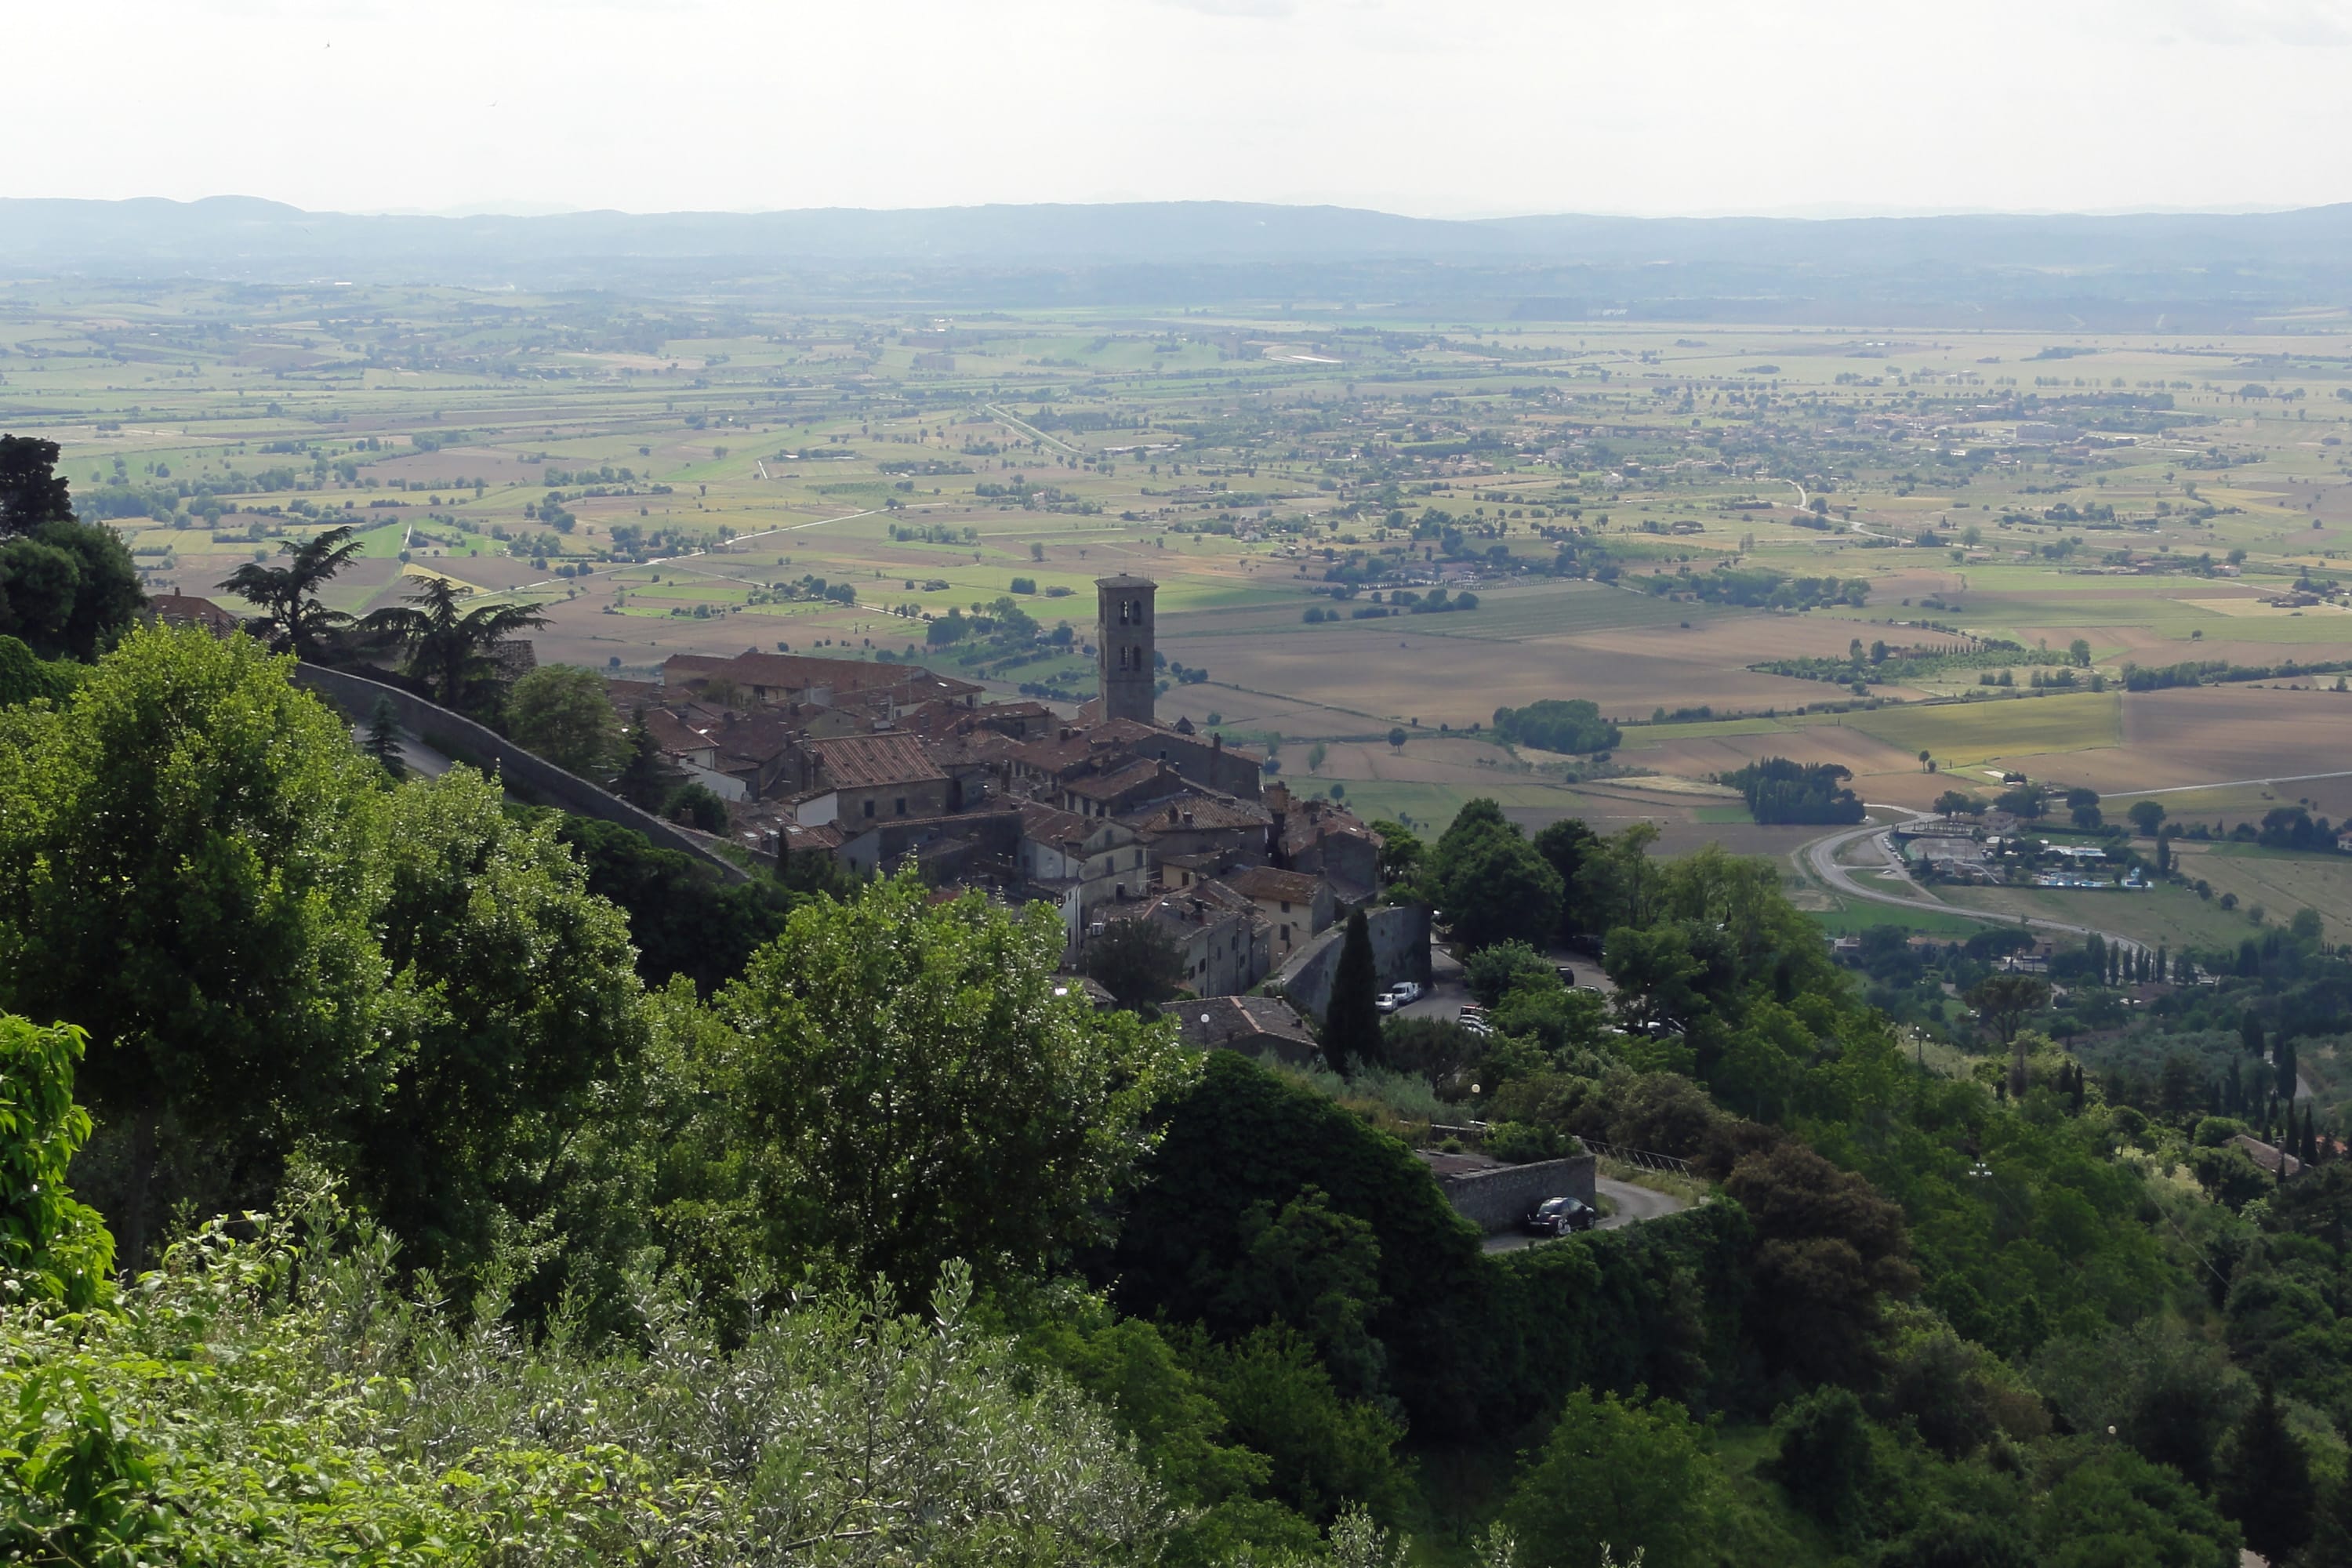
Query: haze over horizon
{"points": [[1692, 108]]}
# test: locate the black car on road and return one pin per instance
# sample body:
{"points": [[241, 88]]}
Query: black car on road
{"points": [[1559, 1216]]}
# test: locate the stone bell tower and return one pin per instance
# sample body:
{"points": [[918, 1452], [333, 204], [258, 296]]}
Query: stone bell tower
{"points": [[1123, 649]]}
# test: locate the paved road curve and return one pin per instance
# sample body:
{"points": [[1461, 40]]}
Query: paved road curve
{"points": [[1820, 858], [1633, 1205]]}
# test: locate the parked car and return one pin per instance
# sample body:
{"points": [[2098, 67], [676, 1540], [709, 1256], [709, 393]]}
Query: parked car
{"points": [[1559, 1216], [1407, 990], [1478, 1027], [1567, 974], [1388, 1002]]}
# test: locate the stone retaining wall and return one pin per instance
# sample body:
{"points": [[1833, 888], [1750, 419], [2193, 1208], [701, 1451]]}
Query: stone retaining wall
{"points": [[1400, 952], [1498, 1198], [525, 775]]}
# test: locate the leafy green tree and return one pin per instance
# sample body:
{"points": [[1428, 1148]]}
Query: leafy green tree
{"points": [[288, 595], [2111, 1506], [451, 651], [682, 920], [1240, 1137], [2265, 1481], [2003, 1001], [697, 806], [1401, 851], [1492, 883], [2147, 815], [1326, 1450], [1566, 844], [1946, 1539], [1352, 1020], [1492, 972], [513, 995], [185, 870], [907, 1088], [24, 678], [1623, 1476], [1137, 962], [1830, 1252], [1827, 1460], [1172, 1411], [2170, 1396], [49, 1240], [68, 589], [1317, 1269], [560, 713], [1617, 883]]}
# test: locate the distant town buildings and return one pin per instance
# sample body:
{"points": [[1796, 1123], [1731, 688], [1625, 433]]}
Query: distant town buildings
{"points": [[1108, 814]]}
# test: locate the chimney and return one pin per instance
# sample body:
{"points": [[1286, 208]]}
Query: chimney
{"points": [[1217, 742]]}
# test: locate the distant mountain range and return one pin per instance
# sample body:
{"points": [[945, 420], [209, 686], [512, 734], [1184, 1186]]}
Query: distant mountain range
{"points": [[2174, 272]]}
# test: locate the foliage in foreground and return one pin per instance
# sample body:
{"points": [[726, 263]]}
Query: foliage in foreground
{"points": [[269, 1396]]}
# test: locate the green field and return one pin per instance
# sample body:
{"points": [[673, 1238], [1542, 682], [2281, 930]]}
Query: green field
{"points": [[1963, 733], [1551, 469]]}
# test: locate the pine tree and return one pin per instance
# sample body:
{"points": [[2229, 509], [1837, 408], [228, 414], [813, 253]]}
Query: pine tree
{"points": [[2266, 1482], [384, 738], [1351, 1023]]}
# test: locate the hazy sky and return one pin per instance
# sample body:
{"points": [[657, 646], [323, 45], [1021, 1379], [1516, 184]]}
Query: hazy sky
{"points": [[1436, 107]]}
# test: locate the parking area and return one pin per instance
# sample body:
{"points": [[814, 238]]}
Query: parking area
{"points": [[1447, 994]]}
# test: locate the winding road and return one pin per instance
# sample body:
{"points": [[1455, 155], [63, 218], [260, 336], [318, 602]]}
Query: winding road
{"points": [[1819, 857]]}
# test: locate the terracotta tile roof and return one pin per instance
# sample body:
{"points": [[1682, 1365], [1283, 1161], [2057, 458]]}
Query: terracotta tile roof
{"points": [[189, 610], [866, 760], [1206, 811], [673, 734], [1265, 882], [1048, 824], [1214, 1021], [1111, 786]]}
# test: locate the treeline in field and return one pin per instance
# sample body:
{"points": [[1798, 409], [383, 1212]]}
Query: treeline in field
{"points": [[1880, 664], [2216, 671], [1574, 724], [1778, 790], [1759, 587]]}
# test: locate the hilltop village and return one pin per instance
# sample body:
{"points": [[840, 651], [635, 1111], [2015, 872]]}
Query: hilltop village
{"points": [[1109, 816]]}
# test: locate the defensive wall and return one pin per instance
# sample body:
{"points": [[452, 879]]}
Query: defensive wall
{"points": [[524, 775], [1400, 952]]}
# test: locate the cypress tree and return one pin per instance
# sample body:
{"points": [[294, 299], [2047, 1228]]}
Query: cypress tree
{"points": [[383, 737], [1351, 1024], [2163, 964], [2250, 1032], [2265, 1483], [2283, 1059]]}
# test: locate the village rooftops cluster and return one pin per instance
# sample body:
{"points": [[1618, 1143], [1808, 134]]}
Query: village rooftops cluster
{"points": [[1106, 818]]}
